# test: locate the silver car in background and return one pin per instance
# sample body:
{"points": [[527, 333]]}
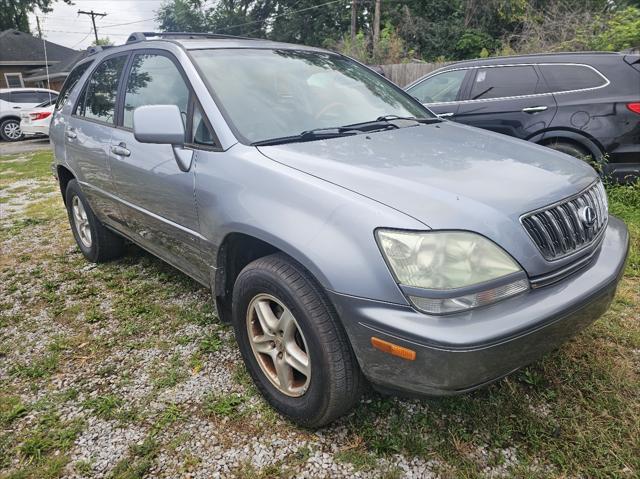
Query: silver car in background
{"points": [[347, 233]]}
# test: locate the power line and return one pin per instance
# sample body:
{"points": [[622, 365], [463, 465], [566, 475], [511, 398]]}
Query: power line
{"points": [[93, 20]]}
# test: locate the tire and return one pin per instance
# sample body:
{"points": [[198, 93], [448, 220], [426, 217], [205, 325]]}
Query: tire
{"points": [[334, 383], [97, 243], [10, 130], [571, 149]]}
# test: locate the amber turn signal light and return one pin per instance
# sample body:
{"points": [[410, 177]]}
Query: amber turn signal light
{"points": [[393, 349]]}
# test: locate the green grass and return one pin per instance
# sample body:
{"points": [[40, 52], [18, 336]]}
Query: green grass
{"points": [[36, 166]]}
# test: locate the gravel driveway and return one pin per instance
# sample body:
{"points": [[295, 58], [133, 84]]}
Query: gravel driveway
{"points": [[122, 370]]}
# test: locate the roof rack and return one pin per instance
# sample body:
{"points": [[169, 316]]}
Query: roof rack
{"points": [[142, 36], [92, 50]]}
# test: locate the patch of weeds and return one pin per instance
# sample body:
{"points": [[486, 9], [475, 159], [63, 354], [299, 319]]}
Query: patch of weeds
{"points": [[241, 376], [141, 456], [227, 406], [40, 367], [171, 375], [11, 408], [50, 435], [138, 462], [49, 468], [210, 344], [247, 470], [202, 315], [83, 467], [359, 459], [59, 344], [196, 362], [105, 407], [170, 415]]}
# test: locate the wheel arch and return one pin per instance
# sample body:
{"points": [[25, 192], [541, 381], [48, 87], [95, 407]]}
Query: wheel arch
{"points": [[65, 175], [236, 251], [575, 137], [9, 117]]}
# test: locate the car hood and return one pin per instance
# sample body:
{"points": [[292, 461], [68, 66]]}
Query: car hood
{"points": [[432, 171], [445, 175]]}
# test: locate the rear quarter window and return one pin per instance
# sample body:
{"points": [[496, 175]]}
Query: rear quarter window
{"points": [[561, 78], [70, 82]]}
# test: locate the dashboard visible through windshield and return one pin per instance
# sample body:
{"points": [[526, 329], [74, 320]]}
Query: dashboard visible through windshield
{"points": [[268, 94]]}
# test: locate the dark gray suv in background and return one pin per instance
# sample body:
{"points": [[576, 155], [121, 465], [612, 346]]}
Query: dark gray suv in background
{"points": [[584, 104], [347, 232]]}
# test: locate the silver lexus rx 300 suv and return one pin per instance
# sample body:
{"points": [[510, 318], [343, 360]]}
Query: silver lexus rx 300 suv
{"points": [[348, 233]]}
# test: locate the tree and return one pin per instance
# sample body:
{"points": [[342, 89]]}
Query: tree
{"points": [[103, 41], [15, 13]]}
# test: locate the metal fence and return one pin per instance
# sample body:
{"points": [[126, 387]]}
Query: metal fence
{"points": [[404, 73]]}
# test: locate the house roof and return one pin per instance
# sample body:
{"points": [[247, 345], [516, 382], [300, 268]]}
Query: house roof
{"points": [[17, 47], [59, 69]]}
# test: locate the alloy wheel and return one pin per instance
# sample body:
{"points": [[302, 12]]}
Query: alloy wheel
{"points": [[12, 130], [278, 345], [81, 221]]}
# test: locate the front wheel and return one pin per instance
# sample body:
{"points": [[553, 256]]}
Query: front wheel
{"points": [[292, 342], [10, 130]]}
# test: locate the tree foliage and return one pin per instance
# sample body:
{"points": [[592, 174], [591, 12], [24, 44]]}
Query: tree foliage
{"points": [[422, 29], [14, 13]]}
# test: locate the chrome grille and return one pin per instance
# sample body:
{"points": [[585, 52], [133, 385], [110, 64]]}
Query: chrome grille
{"points": [[560, 229]]}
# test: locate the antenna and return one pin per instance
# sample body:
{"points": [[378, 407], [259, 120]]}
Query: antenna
{"points": [[46, 60], [93, 20]]}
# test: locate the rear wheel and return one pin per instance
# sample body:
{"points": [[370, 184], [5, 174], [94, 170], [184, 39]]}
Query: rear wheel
{"points": [[10, 130], [97, 243], [292, 342]]}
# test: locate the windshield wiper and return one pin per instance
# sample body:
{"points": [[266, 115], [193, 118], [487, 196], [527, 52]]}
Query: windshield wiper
{"points": [[424, 120], [330, 132], [309, 135]]}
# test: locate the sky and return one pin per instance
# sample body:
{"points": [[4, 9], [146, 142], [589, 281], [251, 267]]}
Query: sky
{"points": [[64, 26]]}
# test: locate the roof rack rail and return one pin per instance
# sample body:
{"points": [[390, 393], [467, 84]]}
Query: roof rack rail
{"points": [[142, 36], [93, 49]]}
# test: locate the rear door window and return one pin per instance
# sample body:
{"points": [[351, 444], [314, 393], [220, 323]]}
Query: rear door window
{"points": [[71, 82], [26, 96], [442, 87], [98, 101], [154, 80], [506, 81], [561, 78]]}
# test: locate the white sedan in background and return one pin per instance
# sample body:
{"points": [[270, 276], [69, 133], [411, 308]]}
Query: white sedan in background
{"points": [[36, 120]]}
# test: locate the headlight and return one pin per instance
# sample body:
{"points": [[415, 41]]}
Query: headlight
{"points": [[448, 271]]}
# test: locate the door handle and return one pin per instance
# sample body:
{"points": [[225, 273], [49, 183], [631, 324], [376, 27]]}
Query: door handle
{"points": [[71, 134], [534, 109], [120, 150], [445, 115]]}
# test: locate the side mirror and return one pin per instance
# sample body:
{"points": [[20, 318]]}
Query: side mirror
{"points": [[162, 124]]}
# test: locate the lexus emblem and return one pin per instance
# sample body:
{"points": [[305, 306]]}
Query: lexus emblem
{"points": [[588, 216]]}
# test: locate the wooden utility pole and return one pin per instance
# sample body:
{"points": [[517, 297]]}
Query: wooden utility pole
{"points": [[354, 15], [93, 20], [38, 23], [376, 24]]}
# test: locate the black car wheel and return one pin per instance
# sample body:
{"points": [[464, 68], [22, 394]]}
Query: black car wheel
{"points": [[292, 342], [97, 243], [571, 149]]}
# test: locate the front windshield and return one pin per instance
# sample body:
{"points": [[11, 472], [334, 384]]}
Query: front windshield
{"points": [[270, 94]]}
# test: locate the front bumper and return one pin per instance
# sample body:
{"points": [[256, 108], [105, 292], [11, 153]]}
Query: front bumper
{"points": [[461, 352]]}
